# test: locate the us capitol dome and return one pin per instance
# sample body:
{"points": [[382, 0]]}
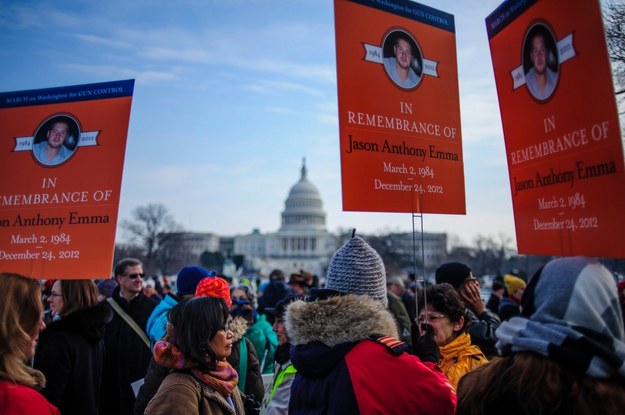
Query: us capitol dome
{"points": [[302, 242]]}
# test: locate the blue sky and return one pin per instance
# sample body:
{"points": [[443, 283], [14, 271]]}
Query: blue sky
{"points": [[231, 95]]}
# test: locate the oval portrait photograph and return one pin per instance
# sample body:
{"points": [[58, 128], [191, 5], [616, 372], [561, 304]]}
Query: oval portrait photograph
{"points": [[56, 139], [402, 59], [540, 61]]}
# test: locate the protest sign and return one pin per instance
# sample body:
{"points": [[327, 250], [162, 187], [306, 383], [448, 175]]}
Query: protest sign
{"points": [[563, 141], [62, 152], [399, 113]]}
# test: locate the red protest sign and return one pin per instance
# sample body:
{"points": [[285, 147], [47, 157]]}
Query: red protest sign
{"points": [[62, 153], [399, 113], [560, 122]]}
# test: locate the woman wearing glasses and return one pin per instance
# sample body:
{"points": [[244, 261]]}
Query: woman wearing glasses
{"points": [[446, 313], [71, 349], [20, 323], [196, 346]]}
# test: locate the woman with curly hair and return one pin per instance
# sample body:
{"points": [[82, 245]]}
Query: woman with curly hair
{"points": [[21, 321], [196, 346], [446, 313]]}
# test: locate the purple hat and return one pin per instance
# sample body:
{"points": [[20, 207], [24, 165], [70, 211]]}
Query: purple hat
{"points": [[106, 287]]}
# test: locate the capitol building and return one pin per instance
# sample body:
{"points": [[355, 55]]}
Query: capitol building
{"points": [[301, 242]]}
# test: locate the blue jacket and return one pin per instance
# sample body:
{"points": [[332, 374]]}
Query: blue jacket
{"points": [[157, 323]]}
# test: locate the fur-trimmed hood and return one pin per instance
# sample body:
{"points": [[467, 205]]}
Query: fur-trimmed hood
{"points": [[239, 327], [90, 322], [338, 319]]}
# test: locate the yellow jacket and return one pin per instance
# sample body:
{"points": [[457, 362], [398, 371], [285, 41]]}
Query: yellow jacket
{"points": [[460, 357]]}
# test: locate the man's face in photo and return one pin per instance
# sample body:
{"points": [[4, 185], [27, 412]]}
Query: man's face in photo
{"points": [[403, 53], [58, 134], [539, 54]]}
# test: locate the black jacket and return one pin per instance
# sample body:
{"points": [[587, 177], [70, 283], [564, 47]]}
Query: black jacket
{"points": [[70, 354], [127, 357]]}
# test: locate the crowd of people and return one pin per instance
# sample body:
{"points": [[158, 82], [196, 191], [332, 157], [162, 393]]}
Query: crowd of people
{"points": [[360, 343]]}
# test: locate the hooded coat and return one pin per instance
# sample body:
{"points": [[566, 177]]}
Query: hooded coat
{"points": [[348, 361], [70, 353]]}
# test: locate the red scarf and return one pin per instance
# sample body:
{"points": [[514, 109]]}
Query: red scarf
{"points": [[224, 379]]}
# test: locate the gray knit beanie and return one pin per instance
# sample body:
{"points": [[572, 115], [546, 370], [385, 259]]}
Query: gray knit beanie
{"points": [[358, 269]]}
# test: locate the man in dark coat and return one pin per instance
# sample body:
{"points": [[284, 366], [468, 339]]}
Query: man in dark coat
{"points": [[127, 356]]}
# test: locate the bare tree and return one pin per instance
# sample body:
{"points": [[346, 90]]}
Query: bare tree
{"points": [[150, 228], [614, 22]]}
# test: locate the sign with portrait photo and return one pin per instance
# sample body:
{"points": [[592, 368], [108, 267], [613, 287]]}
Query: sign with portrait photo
{"points": [[561, 127], [62, 152], [399, 108]]}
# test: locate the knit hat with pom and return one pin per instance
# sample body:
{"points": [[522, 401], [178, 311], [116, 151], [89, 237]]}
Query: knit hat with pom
{"points": [[214, 287], [356, 268]]}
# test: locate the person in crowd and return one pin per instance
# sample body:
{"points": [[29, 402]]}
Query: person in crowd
{"points": [[482, 322], [105, 289], [402, 318], [71, 351], [397, 286], [243, 357], [46, 288], [166, 289], [510, 305], [284, 371], [259, 330], [273, 292], [186, 282], [196, 346], [150, 291], [127, 346], [496, 294], [277, 275], [345, 347], [48, 313], [564, 355], [445, 312], [20, 323], [300, 282]]}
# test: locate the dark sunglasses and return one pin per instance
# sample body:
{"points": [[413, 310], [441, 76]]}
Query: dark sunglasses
{"points": [[133, 276]]}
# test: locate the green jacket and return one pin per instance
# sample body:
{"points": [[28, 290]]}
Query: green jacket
{"points": [[265, 342]]}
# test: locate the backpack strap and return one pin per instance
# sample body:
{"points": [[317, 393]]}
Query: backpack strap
{"points": [[242, 364], [396, 347], [129, 321]]}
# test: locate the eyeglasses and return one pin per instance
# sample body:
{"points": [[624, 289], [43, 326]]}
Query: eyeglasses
{"points": [[226, 327], [431, 317], [133, 276], [53, 294]]}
